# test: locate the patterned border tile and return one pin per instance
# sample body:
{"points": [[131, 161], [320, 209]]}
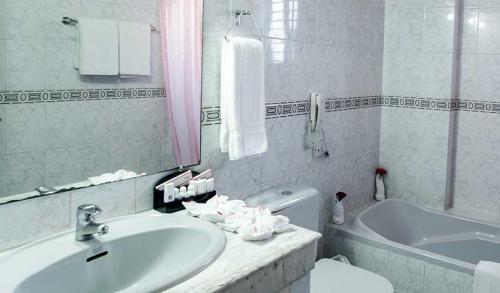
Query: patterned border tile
{"points": [[47, 96], [440, 104], [417, 103], [287, 109], [477, 106], [211, 115], [352, 103]]}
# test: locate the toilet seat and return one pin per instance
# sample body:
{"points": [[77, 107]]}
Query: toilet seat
{"points": [[330, 276]]}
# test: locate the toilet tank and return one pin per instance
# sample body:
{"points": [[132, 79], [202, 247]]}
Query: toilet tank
{"points": [[299, 203]]}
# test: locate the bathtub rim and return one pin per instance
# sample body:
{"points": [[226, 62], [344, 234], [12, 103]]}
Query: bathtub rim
{"points": [[355, 229]]}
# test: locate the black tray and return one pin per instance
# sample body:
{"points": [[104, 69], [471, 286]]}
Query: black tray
{"points": [[175, 206]]}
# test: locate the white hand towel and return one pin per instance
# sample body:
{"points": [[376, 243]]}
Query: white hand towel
{"points": [[98, 47], [487, 277], [135, 48], [243, 131]]}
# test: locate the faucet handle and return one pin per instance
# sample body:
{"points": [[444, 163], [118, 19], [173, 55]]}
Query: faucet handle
{"points": [[89, 209]]}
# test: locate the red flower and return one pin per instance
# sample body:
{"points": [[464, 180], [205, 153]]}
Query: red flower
{"points": [[341, 195], [381, 171]]}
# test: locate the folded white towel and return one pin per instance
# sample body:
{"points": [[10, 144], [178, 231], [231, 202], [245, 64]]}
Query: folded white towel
{"points": [[135, 48], [487, 277], [98, 47], [243, 131], [251, 224]]}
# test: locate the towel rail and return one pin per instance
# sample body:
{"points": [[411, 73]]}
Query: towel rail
{"points": [[71, 21], [238, 14]]}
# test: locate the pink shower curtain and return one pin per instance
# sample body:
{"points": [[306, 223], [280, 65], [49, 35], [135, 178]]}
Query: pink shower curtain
{"points": [[182, 40]]}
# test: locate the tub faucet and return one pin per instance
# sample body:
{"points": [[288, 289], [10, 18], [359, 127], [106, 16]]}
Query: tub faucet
{"points": [[86, 226]]}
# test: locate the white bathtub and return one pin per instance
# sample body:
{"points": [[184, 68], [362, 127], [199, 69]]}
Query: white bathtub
{"points": [[435, 237]]}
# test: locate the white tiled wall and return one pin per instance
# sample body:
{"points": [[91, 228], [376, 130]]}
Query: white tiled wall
{"points": [[340, 59], [417, 63], [477, 192]]}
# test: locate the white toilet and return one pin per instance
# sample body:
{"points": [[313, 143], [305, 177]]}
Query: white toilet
{"points": [[301, 205]]}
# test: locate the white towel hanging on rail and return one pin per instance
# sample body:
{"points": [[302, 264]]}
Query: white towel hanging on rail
{"points": [[97, 47], [243, 130]]}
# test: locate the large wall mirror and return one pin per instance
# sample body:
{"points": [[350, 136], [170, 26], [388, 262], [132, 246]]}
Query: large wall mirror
{"points": [[96, 91]]}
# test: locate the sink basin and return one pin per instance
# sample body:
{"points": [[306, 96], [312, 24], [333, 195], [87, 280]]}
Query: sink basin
{"points": [[142, 253]]}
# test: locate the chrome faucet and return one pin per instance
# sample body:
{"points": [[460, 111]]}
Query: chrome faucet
{"points": [[86, 226]]}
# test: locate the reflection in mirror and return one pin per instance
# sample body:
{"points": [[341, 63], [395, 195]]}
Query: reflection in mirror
{"points": [[95, 92]]}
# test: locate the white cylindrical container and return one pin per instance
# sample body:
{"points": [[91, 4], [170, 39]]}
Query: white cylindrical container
{"points": [[191, 191], [210, 184], [380, 187], [202, 186], [168, 193], [337, 212]]}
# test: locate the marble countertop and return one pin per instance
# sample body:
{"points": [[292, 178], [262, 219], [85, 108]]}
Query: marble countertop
{"points": [[241, 258]]}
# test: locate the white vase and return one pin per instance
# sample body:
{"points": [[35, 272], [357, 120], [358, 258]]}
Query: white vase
{"points": [[380, 187], [338, 212]]}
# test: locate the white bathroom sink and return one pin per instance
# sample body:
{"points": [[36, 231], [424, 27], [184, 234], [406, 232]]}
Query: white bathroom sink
{"points": [[142, 253]]}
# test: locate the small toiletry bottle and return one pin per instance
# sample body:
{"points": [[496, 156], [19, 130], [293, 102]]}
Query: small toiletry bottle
{"points": [[191, 191], [168, 193], [338, 208], [210, 184], [177, 194], [183, 192], [193, 184], [202, 186]]}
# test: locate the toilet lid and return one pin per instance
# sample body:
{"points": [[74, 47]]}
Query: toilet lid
{"points": [[330, 276]]}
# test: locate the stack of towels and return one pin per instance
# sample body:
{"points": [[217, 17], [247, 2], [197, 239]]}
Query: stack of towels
{"points": [[107, 47], [252, 224]]}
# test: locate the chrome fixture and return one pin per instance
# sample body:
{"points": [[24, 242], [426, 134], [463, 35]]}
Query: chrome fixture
{"points": [[86, 226], [45, 190], [71, 21], [237, 15]]}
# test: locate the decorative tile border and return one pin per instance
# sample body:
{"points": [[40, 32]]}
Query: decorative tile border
{"points": [[47, 96], [417, 103], [211, 115], [439, 104], [287, 109], [477, 106], [352, 103]]}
